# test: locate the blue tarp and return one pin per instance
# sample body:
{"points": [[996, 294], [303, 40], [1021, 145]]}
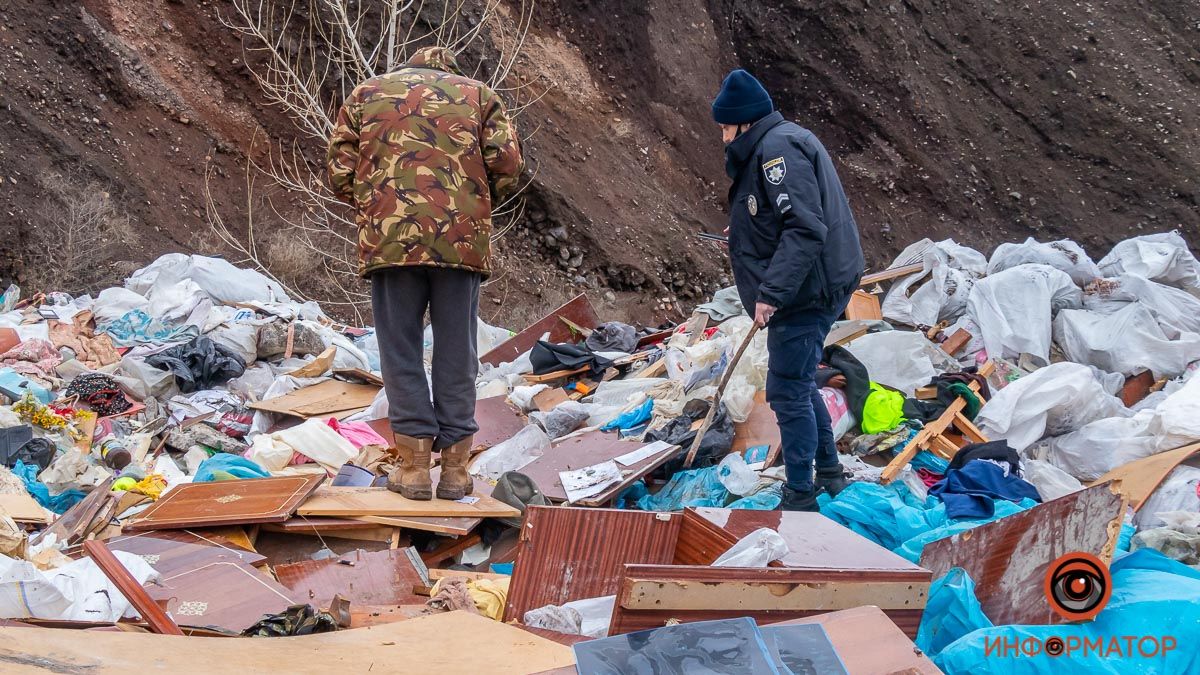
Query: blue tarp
{"points": [[633, 418], [695, 487], [951, 612], [222, 466], [59, 503]]}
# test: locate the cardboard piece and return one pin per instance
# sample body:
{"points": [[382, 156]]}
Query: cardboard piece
{"points": [[372, 501], [254, 500], [578, 310], [325, 398], [1008, 558], [23, 509], [1138, 479], [317, 366], [547, 399], [359, 374], [760, 428]]}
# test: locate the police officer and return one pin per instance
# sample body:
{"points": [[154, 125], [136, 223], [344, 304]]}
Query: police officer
{"points": [[796, 258]]}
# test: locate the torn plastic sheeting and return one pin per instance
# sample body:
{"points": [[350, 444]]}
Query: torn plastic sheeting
{"points": [[58, 503], [1163, 257], [77, 591], [1152, 596], [1051, 482], [631, 418], [511, 455], [694, 487], [901, 360], [949, 274], [737, 478], [951, 612], [1051, 401], [563, 419], [1126, 341], [1014, 309], [1063, 255], [1177, 492], [765, 499], [756, 549], [223, 466]]}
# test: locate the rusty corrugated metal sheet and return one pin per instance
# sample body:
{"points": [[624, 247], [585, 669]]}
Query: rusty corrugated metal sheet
{"points": [[1007, 559], [569, 553]]}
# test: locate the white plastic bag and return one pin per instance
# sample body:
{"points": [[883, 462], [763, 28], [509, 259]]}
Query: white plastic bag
{"points": [[1051, 482], [1064, 255], [143, 380], [1050, 401], [940, 291], [902, 360], [1177, 492], [219, 279], [1162, 257], [113, 303], [1125, 341], [527, 445], [1014, 309], [239, 338], [756, 549], [1175, 311], [522, 397], [736, 476], [77, 591]]}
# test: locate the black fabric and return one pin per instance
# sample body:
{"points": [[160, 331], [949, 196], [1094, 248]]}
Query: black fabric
{"points": [[967, 376], [547, 357], [931, 409], [613, 336], [858, 382], [716, 444], [295, 620], [199, 364], [793, 242], [100, 392], [995, 450], [18, 444]]}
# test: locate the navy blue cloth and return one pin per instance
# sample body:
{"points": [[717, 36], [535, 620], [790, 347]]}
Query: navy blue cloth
{"points": [[970, 492], [742, 100], [805, 430], [793, 242]]}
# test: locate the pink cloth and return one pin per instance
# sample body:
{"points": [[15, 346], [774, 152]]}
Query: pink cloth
{"points": [[358, 433]]}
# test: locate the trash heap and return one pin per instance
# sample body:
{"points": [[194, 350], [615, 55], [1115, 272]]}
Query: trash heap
{"points": [[196, 452]]}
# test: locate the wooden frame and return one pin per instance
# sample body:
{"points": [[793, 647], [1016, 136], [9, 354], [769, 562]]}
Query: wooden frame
{"points": [[252, 500]]}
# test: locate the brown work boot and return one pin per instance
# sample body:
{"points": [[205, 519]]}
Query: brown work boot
{"points": [[411, 476], [455, 482]]}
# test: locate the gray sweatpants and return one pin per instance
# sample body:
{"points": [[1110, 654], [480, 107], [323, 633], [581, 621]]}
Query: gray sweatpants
{"points": [[399, 298]]}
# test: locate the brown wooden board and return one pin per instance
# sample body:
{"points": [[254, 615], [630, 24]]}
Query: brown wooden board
{"points": [[1138, 479], [567, 553], [1007, 558], [359, 374], [864, 306], [225, 595], [363, 578], [371, 501], [233, 502], [457, 642], [324, 398], [870, 643], [170, 551], [651, 595], [760, 428], [129, 587], [891, 273], [74, 525], [454, 526], [578, 310], [585, 450]]}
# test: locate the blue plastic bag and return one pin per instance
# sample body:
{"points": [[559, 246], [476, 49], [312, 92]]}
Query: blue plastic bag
{"points": [[59, 503], [951, 612], [767, 499], [633, 418], [234, 465], [696, 487]]}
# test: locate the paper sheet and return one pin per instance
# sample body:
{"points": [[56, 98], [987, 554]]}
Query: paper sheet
{"points": [[631, 458], [590, 480]]}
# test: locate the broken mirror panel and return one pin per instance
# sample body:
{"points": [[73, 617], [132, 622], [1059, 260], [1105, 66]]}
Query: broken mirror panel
{"points": [[724, 647], [802, 650]]}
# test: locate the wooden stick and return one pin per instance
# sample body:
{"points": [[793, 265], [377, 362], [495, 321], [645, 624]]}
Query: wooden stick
{"points": [[130, 588], [712, 409]]}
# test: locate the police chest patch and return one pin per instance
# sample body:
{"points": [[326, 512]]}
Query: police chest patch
{"points": [[752, 205], [775, 170]]}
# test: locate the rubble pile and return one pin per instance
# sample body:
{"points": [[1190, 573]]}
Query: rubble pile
{"points": [[198, 453]]}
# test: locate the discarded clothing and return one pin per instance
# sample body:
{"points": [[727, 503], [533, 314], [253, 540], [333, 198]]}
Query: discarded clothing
{"points": [[713, 447], [858, 381], [613, 336], [358, 433], [100, 392], [295, 620], [883, 410], [199, 364], [137, 327], [873, 444], [725, 305], [92, 351], [548, 357], [968, 492], [518, 491], [33, 357], [995, 450]]}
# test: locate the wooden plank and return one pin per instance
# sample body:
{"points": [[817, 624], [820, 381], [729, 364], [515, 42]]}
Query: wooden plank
{"points": [[578, 309], [324, 398], [457, 642], [453, 526], [968, 429], [1008, 558], [235, 502], [363, 578], [1138, 479], [863, 306], [870, 643], [365, 376], [449, 549], [582, 551], [652, 595], [847, 332], [435, 574], [23, 508], [112, 568], [891, 273], [955, 343], [586, 450], [696, 326], [372, 501], [74, 525]]}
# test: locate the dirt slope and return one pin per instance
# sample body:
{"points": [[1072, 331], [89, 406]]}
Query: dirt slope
{"points": [[979, 120]]}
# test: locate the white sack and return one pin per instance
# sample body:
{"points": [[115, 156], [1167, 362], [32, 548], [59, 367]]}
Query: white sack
{"points": [[113, 303], [527, 445], [1177, 492], [1014, 309], [222, 281], [1051, 482], [239, 338], [756, 549], [77, 591], [900, 359], [940, 291], [522, 397], [1063, 255], [1126, 341], [1175, 311], [1162, 257], [1050, 401]]}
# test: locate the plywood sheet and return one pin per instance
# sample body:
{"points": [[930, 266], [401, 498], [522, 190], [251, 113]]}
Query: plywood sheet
{"points": [[583, 451], [1139, 479], [324, 398], [458, 642], [652, 595], [171, 551], [74, 525], [225, 595], [454, 526], [363, 578], [567, 553], [23, 509], [234, 502], [1007, 558], [578, 310], [870, 643], [760, 428], [372, 501], [813, 540]]}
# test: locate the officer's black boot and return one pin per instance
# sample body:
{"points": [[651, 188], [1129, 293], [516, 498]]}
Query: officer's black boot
{"points": [[799, 501], [830, 478]]}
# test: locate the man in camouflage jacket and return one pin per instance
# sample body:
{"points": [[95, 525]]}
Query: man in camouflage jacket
{"points": [[423, 153]]}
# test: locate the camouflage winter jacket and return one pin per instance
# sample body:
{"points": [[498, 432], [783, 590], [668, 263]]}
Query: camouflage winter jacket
{"points": [[422, 153]]}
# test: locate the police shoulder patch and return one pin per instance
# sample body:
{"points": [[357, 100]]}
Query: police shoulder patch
{"points": [[775, 170]]}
